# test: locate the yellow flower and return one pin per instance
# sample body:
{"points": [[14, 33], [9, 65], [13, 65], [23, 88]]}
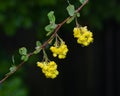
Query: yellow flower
{"points": [[76, 32], [83, 35], [49, 69], [59, 51]]}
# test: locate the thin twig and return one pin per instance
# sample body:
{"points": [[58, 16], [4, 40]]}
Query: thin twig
{"points": [[86, 1], [45, 43]]}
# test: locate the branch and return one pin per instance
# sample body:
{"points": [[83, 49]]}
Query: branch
{"points": [[45, 43]]}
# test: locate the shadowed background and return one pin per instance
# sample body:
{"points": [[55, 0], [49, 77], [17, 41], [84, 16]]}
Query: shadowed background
{"points": [[92, 70]]}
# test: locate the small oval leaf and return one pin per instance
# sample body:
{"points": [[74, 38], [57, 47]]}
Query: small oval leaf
{"points": [[38, 44], [82, 1], [70, 20], [78, 14], [71, 10], [23, 51], [24, 58], [37, 50], [12, 69], [51, 17], [48, 28]]}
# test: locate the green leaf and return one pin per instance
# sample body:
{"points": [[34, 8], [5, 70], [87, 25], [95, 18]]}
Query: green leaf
{"points": [[37, 50], [38, 44], [23, 51], [13, 60], [53, 26], [78, 14], [51, 17], [48, 28], [70, 20], [12, 69], [49, 33], [24, 58], [71, 10], [38, 47], [82, 1]]}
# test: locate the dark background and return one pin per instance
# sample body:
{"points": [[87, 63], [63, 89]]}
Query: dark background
{"points": [[92, 70]]}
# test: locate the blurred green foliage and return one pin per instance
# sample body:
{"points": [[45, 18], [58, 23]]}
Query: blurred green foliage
{"points": [[16, 14], [14, 87]]}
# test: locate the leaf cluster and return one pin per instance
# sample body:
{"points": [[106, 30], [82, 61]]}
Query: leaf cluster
{"points": [[23, 53]]}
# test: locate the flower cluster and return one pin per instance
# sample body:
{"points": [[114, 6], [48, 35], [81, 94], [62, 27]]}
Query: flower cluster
{"points": [[83, 35], [60, 50], [49, 69]]}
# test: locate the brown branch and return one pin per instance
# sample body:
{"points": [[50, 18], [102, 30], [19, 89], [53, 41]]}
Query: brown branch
{"points": [[45, 43], [17, 68], [86, 1]]}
